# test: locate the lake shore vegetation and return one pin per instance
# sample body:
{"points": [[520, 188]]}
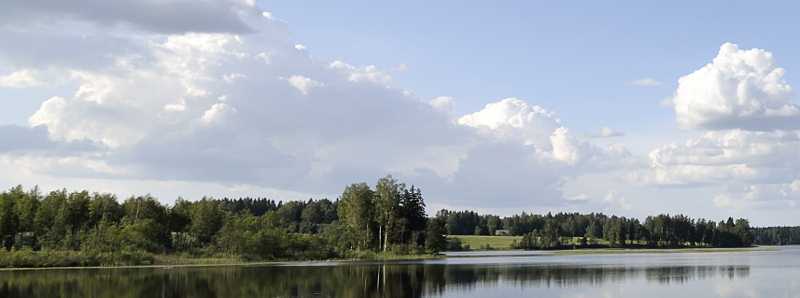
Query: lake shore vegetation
{"points": [[386, 221]]}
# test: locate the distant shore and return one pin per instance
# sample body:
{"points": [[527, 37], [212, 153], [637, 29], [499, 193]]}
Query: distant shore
{"points": [[602, 251], [588, 251]]}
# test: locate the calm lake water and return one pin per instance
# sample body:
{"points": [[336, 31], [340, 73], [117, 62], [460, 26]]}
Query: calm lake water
{"points": [[768, 274]]}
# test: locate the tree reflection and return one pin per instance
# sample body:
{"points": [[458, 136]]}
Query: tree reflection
{"points": [[355, 280]]}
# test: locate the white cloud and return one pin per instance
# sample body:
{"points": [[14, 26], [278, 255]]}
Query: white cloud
{"points": [[768, 196], [646, 82], [369, 73], [203, 108], [233, 77], [265, 57], [565, 148], [443, 103], [217, 113], [513, 118], [303, 84], [728, 156], [20, 79], [741, 89], [748, 140]]}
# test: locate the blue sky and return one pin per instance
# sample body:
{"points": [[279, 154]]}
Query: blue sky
{"points": [[622, 107], [575, 58]]}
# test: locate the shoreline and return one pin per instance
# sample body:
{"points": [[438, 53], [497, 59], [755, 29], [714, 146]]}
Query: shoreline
{"points": [[469, 254], [603, 251], [329, 262]]}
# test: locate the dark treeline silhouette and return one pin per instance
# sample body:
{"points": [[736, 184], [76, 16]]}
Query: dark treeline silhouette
{"points": [[64, 228], [586, 230], [776, 236]]}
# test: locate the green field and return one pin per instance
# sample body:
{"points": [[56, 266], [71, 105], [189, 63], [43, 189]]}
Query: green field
{"points": [[472, 242], [486, 242]]}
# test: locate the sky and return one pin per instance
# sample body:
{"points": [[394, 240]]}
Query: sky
{"points": [[620, 107]]}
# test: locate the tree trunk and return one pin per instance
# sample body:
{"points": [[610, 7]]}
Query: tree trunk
{"points": [[380, 238], [385, 240]]}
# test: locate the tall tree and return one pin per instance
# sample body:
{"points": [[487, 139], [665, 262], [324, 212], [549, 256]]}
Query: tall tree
{"points": [[357, 211], [387, 195], [207, 219], [413, 213]]}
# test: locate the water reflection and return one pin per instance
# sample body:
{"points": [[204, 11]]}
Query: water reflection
{"points": [[367, 280]]}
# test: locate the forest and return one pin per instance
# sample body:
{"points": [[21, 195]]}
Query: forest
{"points": [[776, 236], [574, 230], [81, 228]]}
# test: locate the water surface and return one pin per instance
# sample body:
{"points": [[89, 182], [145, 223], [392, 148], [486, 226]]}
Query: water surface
{"points": [[768, 274]]}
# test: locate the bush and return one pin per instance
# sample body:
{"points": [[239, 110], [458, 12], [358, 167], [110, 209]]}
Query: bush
{"points": [[67, 258]]}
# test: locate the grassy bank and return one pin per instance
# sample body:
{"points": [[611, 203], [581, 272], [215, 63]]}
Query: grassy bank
{"points": [[68, 258], [73, 260], [478, 243], [471, 242], [10, 260]]}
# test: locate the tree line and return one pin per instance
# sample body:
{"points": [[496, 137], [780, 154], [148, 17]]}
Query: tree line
{"points": [[776, 236], [585, 230], [386, 218], [389, 218]]}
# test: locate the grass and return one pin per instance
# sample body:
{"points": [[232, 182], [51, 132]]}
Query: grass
{"points": [[477, 243], [390, 256], [30, 260], [161, 259], [505, 242], [486, 242]]}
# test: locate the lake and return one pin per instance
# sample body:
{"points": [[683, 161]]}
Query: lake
{"points": [[768, 274]]}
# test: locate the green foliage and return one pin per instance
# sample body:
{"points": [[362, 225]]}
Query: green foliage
{"points": [[357, 212], [435, 239], [92, 228], [67, 258], [776, 236], [206, 220]]}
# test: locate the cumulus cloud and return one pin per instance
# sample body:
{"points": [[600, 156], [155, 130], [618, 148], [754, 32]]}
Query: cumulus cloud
{"points": [[369, 73], [184, 116], [739, 89], [303, 84], [252, 109], [728, 156], [20, 79], [748, 140], [443, 103], [515, 120], [763, 196]]}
